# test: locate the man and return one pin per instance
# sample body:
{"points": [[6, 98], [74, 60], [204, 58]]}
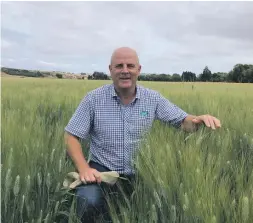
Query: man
{"points": [[115, 116]]}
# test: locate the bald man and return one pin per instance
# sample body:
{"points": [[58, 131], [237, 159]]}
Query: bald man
{"points": [[115, 116]]}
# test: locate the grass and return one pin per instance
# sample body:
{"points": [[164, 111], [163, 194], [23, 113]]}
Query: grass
{"points": [[202, 177]]}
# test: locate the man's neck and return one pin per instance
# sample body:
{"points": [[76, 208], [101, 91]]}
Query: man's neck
{"points": [[126, 95]]}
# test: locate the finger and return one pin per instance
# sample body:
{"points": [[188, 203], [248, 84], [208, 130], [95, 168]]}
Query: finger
{"points": [[217, 122], [211, 121], [98, 176], [87, 178], [82, 178], [92, 177], [206, 120]]}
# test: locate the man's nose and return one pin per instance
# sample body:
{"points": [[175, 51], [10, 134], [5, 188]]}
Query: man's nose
{"points": [[125, 69]]}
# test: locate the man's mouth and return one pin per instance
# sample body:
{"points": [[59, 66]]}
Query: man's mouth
{"points": [[124, 78]]}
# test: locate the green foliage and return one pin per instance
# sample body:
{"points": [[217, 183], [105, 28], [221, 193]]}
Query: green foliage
{"points": [[58, 75], [20, 72], [176, 77], [98, 76], [155, 77], [241, 73], [202, 177], [206, 75], [188, 76], [219, 77]]}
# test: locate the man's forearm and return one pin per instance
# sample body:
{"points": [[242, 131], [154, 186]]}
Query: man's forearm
{"points": [[74, 150], [188, 125]]}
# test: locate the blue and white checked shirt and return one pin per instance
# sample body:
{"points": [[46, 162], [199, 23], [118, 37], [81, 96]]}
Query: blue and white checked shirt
{"points": [[115, 130]]}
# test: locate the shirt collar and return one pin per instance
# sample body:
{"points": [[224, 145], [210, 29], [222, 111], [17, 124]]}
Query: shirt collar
{"points": [[138, 91]]}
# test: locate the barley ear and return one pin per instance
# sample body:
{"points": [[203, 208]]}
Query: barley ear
{"points": [[16, 187], [245, 209]]}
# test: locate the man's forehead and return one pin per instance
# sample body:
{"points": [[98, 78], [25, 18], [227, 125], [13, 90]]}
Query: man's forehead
{"points": [[125, 59], [123, 55]]}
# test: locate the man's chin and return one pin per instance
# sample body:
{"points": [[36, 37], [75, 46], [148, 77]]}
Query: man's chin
{"points": [[125, 85]]}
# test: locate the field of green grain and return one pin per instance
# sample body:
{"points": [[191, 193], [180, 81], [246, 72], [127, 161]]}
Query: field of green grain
{"points": [[205, 176]]}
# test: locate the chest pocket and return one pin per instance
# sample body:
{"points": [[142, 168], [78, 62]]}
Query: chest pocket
{"points": [[140, 123]]}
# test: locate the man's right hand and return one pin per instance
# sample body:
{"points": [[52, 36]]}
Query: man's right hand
{"points": [[90, 175], [86, 174]]}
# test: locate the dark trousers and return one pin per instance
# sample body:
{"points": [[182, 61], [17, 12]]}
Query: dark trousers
{"points": [[91, 202]]}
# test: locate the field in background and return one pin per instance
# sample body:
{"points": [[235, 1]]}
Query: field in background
{"points": [[202, 177]]}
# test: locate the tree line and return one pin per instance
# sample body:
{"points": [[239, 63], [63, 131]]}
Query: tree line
{"points": [[241, 73], [28, 73]]}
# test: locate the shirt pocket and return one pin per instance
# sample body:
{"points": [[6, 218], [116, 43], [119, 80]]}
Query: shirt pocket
{"points": [[140, 125]]}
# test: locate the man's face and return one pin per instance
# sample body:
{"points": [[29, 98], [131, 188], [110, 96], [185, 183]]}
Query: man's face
{"points": [[124, 69]]}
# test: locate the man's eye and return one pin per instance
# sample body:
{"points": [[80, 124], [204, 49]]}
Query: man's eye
{"points": [[131, 65], [119, 66]]}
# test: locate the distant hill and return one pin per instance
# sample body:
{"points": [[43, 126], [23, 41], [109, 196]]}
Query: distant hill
{"points": [[41, 74]]}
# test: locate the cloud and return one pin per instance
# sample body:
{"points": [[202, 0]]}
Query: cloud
{"points": [[170, 37], [47, 63], [52, 64], [5, 44]]}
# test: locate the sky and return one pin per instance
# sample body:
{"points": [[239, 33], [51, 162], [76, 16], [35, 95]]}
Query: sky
{"points": [[169, 37]]}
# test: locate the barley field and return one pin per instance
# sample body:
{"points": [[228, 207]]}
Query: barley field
{"points": [[205, 176]]}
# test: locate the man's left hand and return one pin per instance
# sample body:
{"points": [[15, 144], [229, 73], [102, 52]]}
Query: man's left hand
{"points": [[208, 120]]}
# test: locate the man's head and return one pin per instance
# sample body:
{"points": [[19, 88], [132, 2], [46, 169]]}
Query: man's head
{"points": [[124, 68]]}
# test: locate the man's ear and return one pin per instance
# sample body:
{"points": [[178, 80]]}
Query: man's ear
{"points": [[110, 67], [139, 69]]}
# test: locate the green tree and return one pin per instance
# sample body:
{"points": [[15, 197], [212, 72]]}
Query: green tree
{"points": [[58, 75], [206, 75], [249, 74], [164, 77], [99, 76], [219, 77], [188, 76], [241, 73], [176, 77]]}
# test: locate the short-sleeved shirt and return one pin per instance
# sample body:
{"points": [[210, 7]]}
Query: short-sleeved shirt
{"points": [[115, 130]]}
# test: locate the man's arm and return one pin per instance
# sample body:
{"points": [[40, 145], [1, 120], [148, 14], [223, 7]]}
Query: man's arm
{"points": [[79, 126], [74, 150], [170, 113], [86, 173]]}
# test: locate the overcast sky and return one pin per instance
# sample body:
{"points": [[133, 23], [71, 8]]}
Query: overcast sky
{"points": [[170, 37]]}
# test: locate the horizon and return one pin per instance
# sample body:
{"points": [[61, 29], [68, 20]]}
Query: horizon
{"points": [[108, 74]]}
